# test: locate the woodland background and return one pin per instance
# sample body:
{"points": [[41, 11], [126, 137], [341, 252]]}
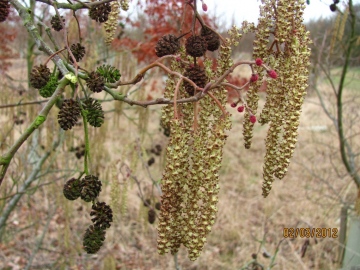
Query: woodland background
{"points": [[44, 230]]}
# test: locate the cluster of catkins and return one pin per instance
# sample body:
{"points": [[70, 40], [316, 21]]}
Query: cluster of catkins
{"points": [[282, 42], [88, 189], [197, 131], [190, 182]]}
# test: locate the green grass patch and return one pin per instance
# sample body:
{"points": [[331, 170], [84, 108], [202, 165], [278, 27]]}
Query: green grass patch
{"points": [[352, 80]]}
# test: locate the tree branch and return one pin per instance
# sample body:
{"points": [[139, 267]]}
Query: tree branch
{"points": [[33, 31], [6, 158], [22, 190]]}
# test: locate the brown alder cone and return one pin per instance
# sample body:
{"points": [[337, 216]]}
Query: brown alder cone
{"points": [[197, 75], [4, 10], [196, 46], [168, 44]]}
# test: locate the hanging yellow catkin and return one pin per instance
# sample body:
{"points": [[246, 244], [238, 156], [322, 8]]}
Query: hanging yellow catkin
{"points": [[111, 24], [286, 93], [341, 29], [335, 30]]}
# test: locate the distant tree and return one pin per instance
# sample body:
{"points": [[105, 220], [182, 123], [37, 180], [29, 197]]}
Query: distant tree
{"points": [[336, 50]]}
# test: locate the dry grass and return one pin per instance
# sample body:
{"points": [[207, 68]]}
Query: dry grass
{"points": [[308, 196]]}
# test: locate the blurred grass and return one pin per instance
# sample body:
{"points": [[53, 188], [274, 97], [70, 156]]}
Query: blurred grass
{"points": [[352, 80]]}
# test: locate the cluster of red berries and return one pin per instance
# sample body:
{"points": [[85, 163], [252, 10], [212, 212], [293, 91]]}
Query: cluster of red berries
{"points": [[241, 108]]}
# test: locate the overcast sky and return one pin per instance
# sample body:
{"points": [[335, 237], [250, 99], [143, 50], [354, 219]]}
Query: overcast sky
{"points": [[249, 9]]}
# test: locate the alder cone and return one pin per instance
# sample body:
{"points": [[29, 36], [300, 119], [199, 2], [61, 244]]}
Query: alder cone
{"points": [[56, 22], [212, 39], [197, 75], [95, 82], [78, 51], [95, 115], [103, 215], [72, 189], [158, 206], [49, 89], [151, 216], [93, 239], [4, 10], [168, 44], [39, 76], [196, 46], [68, 114], [100, 13], [91, 187]]}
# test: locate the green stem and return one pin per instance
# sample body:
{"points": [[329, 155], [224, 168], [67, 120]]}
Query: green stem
{"points": [[6, 158], [342, 140], [87, 144]]}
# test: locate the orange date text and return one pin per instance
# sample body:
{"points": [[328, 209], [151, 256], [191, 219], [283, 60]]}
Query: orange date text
{"points": [[310, 232]]}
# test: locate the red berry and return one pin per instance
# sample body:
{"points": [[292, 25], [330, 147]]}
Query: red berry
{"points": [[258, 61], [233, 105], [204, 7], [241, 108], [272, 74], [254, 77], [252, 118]]}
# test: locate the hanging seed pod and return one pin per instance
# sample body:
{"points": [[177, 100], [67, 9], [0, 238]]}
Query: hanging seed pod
{"points": [[49, 88], [212, 39], [196, 46], [158, 206], [151, 216], [151, 161], [4, 10], [93, 239], [147, 203], [100, 13], [56, 22], [95, 82], [166, 132], [72, 189], [91, 187], [68, 114], [197, 75], [168, 44], [78, 51], [95, 114], [156, 150], [39, 76], [103, 215]]}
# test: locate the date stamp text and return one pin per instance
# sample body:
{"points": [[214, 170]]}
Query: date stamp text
{"points": [[310, 232]]}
